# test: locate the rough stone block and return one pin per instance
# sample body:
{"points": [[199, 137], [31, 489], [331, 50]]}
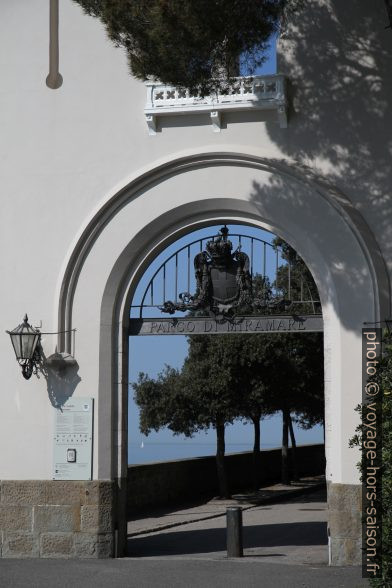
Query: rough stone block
{"points": [[23, 492], [63, 492], [96, 519], [56, 518], [98, 492], [345, 552], [345, 524], [344, 521], [344, 497], [20, 544], [91, 545], [15, 518], [56, 545]]}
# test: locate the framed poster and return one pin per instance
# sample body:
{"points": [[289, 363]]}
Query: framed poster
{"points": [[73, 440]]}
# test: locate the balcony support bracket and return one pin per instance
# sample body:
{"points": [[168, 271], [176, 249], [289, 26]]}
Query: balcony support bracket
{"points": [[216, 121], [151, 123]]}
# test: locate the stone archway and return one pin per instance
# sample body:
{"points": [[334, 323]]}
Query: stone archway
{"points": [[157, 208]]}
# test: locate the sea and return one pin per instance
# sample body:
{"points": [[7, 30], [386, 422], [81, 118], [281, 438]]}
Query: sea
{"points": [[150, 452]]}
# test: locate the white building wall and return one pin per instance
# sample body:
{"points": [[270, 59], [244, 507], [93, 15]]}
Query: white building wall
{"points": [[66, 152]]}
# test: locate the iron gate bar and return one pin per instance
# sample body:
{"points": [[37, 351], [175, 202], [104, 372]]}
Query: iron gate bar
{"points": [[311, 323], [189, 269], [251, 258], [161, 273]]}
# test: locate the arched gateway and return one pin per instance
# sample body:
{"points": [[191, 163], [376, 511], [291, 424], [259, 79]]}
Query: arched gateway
{"points": [[90, 198], [156, 209]]}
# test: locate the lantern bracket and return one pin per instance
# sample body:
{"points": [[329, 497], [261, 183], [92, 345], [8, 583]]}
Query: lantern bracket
{"points": [[26, 341]]}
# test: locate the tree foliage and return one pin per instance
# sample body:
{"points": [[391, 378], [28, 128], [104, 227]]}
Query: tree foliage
{"points": [[288, 372], [205, 393], [241, 376], [294, 280], [237, 376], [162, 403], [193, 44]]}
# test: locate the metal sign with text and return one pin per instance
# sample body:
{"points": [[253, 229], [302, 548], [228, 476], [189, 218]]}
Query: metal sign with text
{"points": [[211, 326], [72, 440]]}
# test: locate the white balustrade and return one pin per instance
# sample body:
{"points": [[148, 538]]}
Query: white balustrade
{"points": [[246, 93]]}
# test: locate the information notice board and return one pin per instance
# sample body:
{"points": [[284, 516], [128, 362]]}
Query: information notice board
{"points": [[73, 440]]}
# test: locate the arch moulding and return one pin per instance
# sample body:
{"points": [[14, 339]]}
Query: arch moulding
{"points": [[283, 168], [187, 193]]}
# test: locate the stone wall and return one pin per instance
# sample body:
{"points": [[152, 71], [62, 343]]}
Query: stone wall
{"points": [[344, 522], [41, 518], [186, 479], [47, 518]]}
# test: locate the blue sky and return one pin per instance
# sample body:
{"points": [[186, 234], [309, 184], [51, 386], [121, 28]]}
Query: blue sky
{"points": [[150, 354], [269, 66]]}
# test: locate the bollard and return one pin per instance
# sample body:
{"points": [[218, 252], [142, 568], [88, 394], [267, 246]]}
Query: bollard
{"points": [[234, 531]]}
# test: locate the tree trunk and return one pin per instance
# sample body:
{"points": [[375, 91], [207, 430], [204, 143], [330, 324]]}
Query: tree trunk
{"points": [[220, 461], [293, 450], [285, 447], [256, 453]]}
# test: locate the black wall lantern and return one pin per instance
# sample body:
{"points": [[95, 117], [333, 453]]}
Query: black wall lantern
{"points": [[26, 343]]}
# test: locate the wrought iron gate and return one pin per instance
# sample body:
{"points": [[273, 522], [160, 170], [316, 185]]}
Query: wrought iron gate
{"points": [[242, 289]]}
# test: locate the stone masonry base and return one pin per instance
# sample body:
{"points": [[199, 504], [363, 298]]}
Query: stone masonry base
{"points": [[47, 518], [41, 518], [344, 523]]}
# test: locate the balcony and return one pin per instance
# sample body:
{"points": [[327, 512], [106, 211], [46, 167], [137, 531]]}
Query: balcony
{"points": [[247, 93]]}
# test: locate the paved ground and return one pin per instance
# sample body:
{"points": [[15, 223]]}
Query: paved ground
{"points": [[292, 532], [170, 573], [155, 519], [285, 547]]}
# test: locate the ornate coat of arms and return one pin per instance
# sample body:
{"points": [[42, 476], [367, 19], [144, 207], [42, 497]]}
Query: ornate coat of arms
{"points": [[223, 281]]}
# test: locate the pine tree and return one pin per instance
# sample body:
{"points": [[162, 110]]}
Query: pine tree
{"points": [[191, 44]]}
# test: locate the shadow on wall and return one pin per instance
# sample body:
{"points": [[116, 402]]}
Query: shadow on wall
{"points": [[60, 371], [297, 198], [338, 60]]}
